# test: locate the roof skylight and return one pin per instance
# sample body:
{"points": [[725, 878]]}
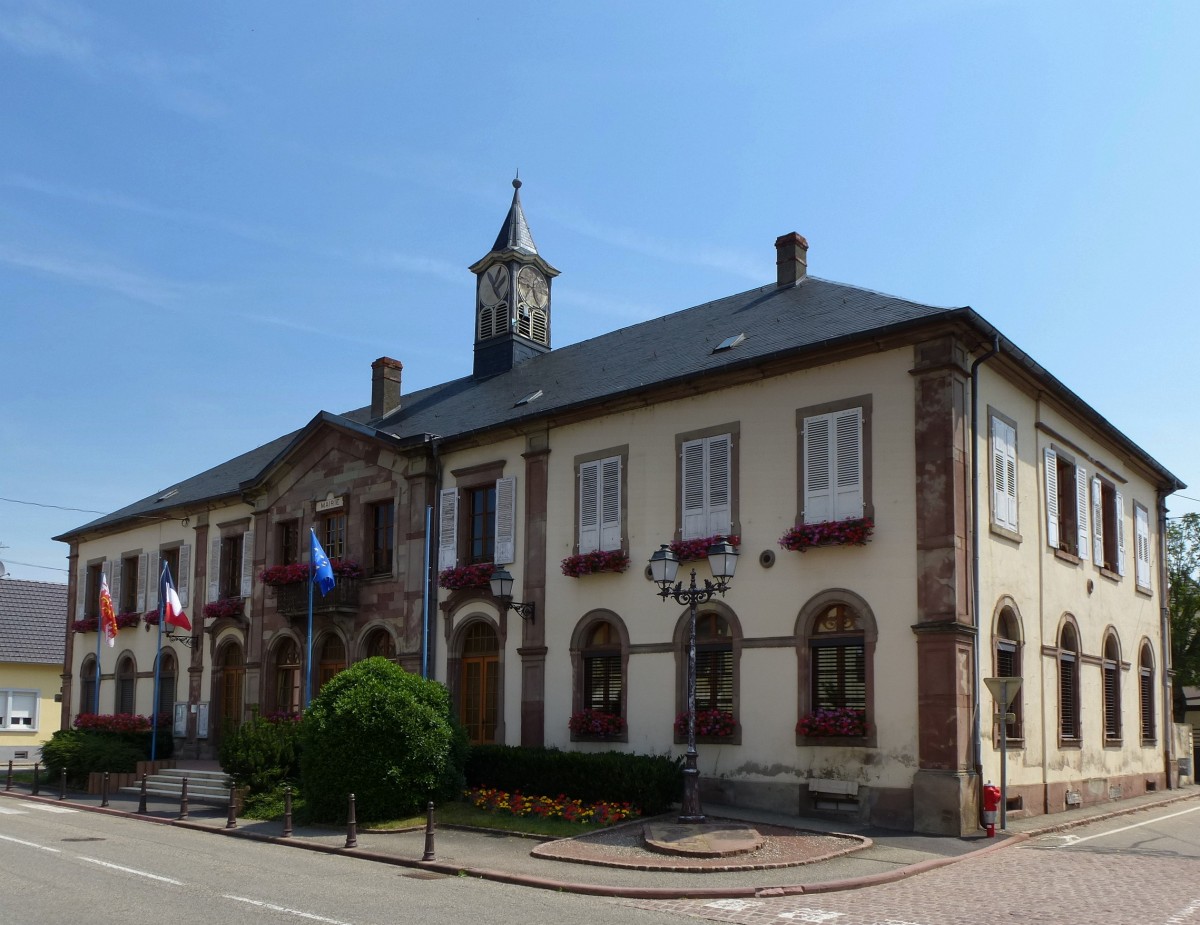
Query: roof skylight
{"points": [[532, 396], [729, 343]]}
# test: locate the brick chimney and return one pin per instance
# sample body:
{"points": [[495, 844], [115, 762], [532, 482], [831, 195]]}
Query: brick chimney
{"points": [[791, 260], [385, 386]]}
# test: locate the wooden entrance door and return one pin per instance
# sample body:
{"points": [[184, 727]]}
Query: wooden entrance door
{"points": [[478, 702]]}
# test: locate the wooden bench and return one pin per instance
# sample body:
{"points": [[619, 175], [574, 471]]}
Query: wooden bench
{"points": [[826, 793]]}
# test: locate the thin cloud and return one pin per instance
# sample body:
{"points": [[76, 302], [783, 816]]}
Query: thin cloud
{"points": [[94, 275], [415, 263]]}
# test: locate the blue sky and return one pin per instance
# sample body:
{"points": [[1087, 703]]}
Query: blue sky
{"points": [[214, 216]]}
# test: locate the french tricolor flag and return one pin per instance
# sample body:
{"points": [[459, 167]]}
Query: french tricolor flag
{"points": [[172, 608]]}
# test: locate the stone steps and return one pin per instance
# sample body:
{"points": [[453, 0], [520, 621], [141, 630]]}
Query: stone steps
{"points": [[203, 786]]}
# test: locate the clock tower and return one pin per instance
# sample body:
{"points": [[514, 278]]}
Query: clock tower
{"points": [[512, 297]]}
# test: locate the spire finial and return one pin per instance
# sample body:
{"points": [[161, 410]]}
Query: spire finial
{"points": [[517, 181]]}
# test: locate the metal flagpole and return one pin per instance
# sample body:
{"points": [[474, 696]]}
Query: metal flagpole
{"points": [[99, 636], [312, 574], [157, 661]]}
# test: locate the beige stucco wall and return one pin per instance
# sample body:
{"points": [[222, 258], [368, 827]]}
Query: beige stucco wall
{"points": [[1025, 573], [45, 681]]}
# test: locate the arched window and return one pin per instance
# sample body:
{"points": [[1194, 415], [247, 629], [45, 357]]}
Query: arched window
{"points": [[839, 660], [836, 634], [1068, 684], [1146, 692], [331, 660], [478, 705], [87, 686], [380, 645], [603, 681], [718, 651], [287, 681], [1111, 666], [714, 663], [126, 686], [167, 675], [1008, 665]]}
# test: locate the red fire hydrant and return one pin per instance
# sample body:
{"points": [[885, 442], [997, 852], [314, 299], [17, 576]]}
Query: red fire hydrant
{"points": [[991, 805]]}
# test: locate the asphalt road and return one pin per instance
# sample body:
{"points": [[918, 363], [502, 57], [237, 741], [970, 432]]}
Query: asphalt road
{"points": [[70, 867]]}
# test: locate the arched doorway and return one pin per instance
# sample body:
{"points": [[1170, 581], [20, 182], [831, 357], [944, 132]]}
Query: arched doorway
{"points": [[479, 688], [331, 660], [229, 685], [380, 645], [286, 678]]}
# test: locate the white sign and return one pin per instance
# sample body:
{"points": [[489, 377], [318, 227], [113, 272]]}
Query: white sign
{"points": [[1003, 689], [330, 504]]}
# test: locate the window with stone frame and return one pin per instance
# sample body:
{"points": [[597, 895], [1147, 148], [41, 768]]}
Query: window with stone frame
{"points": [[1008, 665], [333, 535], [381, 518], [131, 586], [1108, 527], [715, 664], [707, 473], [603, 678], [287, 680], [477, 518], [230, 568], [600, 500], [1068, 685], [380, 644], [838, 657], [87, 687], [94, 573], [1066, 504], [1110, 666], [1146, 694], [287, 542], [1003, 445], [126, 690]]}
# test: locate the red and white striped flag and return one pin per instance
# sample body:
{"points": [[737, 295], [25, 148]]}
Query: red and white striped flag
{"points": [[108, 614]]}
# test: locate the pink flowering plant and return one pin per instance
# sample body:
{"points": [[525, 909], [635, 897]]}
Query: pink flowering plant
{"points": [[835, 721], [118, 722], [545, 807], [92, 624], [853, 532], [298, 572], [691, 550], [717, 723], [466, 576], [588, 563], [598, 723], [225, 607]]}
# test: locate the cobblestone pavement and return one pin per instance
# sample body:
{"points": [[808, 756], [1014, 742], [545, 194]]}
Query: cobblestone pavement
{"points": [[1030, 883]]}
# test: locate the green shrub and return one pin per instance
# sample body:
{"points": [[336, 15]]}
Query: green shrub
{"points": [[649, 782], [387, 736], [80, 752], [263, 753]]}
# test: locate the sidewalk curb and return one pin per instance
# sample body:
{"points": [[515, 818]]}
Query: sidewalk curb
{"points": [[622, 892]]}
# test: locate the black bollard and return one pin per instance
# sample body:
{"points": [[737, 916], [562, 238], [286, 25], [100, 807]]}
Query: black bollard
{"points": [[8, 782], [104, 790], [62, 784], [142, 797], [36, 774], [183, 806], [287, 812], [428, 855], [231, 819], [351, 826]]}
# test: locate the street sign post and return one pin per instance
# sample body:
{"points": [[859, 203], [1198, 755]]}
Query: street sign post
{"points": [[1004, 690]]}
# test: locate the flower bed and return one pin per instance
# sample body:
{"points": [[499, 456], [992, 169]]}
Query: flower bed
{"points": [[716, 723], [466, 576], [225, 607], [559, 807], [598, 723], [853, 532], [298, 572], [91, 624], [118, 722], [691, 550], [588, 563], [842, 721]]}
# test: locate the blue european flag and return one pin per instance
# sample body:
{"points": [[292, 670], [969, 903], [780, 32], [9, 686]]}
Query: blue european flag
{"points": [[322, 570]]}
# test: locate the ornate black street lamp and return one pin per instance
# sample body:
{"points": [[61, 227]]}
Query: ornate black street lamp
{"points": [[502, 584], [664, 564]]}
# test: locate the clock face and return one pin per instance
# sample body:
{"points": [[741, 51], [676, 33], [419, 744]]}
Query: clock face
{"points": [[493, 286], [532, 288]]}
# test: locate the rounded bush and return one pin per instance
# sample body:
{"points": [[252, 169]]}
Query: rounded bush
{"points": [[262, 753], [385, 735]]}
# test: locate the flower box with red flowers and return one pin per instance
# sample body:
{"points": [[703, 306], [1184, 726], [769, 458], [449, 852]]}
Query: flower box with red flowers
{"points": [[598, 724], [92, 624], [853, 532], [225, 607], [589, 563], [466, 576], [691, 550], [839, 721], [715, 724], [298, 572]]}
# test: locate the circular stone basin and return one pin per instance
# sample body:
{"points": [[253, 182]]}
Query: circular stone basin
{"points": [[703, 840]]}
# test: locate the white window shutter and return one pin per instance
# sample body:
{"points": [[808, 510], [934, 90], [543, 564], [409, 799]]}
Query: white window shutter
{"points": [[114, 584], [1051, 458], [818, 481], [610, 503], [720, 476], [214, 568], [183, 581], [506, 520], [999, 494], [153, 573], [695, 520], [1010, 463], [81, 594], [1141, 544], [247, 563], [143, 577], [1120, 526], [589, 507], [1097, 521], [848, 497], [448, 529], [1081, 510]]}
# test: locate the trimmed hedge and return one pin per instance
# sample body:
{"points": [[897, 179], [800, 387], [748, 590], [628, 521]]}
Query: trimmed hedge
{"points": [[649, 782], [262, 753], [80, 752]]}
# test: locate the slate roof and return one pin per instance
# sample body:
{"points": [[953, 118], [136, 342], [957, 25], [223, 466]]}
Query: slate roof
{"points": [[33, 622], [675, 348]]}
